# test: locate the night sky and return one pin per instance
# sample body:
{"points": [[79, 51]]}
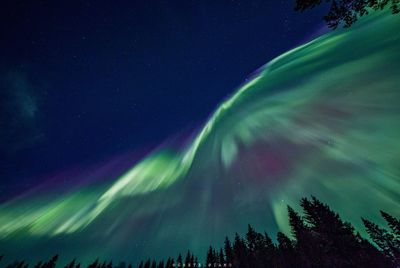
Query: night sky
{"points": [[139, 130], [83, 82]]}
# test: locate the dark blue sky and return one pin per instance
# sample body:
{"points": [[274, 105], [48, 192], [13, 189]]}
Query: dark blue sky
{"points": [[81, 82]]}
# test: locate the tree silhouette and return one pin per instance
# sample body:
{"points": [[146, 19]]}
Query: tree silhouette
{"points": [[72, 264], [387, 241], [120, 265], [240, 252], [189, 259], [261, 248], [347, 12], [393, 223], [147, 264], [50, 264], [299, 229], [94, 264], [211, 257], [228, 250], [334, 241], [179, 260], [320, 239], [17, 264], [286, 256], [221, 258], [160, 264], [169, 263]]}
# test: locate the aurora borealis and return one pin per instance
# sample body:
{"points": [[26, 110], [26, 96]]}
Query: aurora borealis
{"points": [[321, 119]]}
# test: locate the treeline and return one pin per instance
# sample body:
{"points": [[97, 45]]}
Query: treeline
{"points": [[347, 12], [320, 239]]}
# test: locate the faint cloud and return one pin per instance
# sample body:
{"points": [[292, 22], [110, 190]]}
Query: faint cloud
{"points": [[19, 113]]}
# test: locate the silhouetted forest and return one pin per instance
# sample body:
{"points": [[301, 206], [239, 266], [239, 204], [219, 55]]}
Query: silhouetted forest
{"points": [[320, 238], [347, 12]]}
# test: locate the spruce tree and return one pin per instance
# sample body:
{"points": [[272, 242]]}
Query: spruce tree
{"points": [[71, 264], [334, 242], [286, 254], [228, 250], [39, 264], [385, 240], [267, 249], [251, 238], [188, 258], [221, 258], [179, 260], [297, 224], [240, 252], [192, 259], [147, 264], [210, 259], [94, 264], [169, 263], [393, 223], [160, 264], [347, 12]]}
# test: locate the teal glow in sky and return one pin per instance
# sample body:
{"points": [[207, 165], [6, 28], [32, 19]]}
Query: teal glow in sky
{"points": [[321, 119]]}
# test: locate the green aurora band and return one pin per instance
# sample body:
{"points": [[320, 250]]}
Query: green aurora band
{"points": [[322, 119]]}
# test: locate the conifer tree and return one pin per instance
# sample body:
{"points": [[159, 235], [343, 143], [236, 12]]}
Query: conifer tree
{"points": [[169, 263], [147, 264], [267, 250], [71, 264], [187, 259], [160, 264], [297, 224], [284, 242], [286, 256], [384, 240], [228, 250], [94, 264], [322, 239], [179, 260], [221, 258], [51, 263], [393, 223], [334, 241], [192, 259], [121, 265], [347, 12], [240, 252], [17, 264], [210, 259], [251, 238]]}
